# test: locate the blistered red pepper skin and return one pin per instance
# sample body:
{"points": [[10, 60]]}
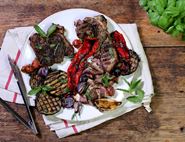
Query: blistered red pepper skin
{"points": [[78, 63], [120, 45], [79, 73], [77, 43]]}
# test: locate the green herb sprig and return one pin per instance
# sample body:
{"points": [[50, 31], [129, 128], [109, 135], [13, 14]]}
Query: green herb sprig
{"points": [[105, 80], [134, 90], [50, 30], [38, 89]]}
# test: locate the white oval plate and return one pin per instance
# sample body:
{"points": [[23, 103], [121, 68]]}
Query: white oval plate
{"points": [[66, 18]]}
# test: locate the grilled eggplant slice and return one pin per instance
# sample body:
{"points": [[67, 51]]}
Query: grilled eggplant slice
{"points": [[58, 81], [47, 104], [134, 61]]}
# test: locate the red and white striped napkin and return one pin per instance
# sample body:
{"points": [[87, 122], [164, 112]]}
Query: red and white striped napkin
{"points": [[12, 45]]}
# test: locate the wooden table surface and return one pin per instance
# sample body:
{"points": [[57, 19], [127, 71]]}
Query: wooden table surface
{"points": [[166, 57]]}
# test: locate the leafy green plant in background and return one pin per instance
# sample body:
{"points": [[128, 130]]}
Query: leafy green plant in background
{"points": [[135, 91], [169, 15]]}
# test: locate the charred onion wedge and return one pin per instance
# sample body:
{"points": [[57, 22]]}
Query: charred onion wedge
{"points": [[47, 104], [105, 104]]}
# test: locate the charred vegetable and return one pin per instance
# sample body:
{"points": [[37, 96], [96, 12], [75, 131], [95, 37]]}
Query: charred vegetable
{"points": [[106, 104], [47, 104], [58, 81]]}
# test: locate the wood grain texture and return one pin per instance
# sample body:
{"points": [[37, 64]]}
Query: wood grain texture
{"points": [[166, 57], [164, 124], [28, 12]]}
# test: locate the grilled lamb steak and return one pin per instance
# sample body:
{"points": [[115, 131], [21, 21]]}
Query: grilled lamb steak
{"points": [[52, 49], [58, 81], [47, 104], [92, 27], [108, 56]]}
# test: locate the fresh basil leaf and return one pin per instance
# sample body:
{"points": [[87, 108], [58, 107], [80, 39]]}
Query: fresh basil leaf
{"points": [[126, 82], [143, 2], [133, 99], [171, 3], [165, 21], [134, 84], [124, 90], [34, 91], [172, 11], [180, 27], [46, 88], [175, 33], [140, 94], [105, 80], [51, 29], [154, 17], [180, 4], [159, 6], [66, 90], [40, 31], [170, 29]]}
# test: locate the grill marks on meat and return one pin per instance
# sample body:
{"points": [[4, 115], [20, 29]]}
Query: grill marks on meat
{"points": [[104, 60], [52, 49], [92, 26], [58, 81], [108, 57]]}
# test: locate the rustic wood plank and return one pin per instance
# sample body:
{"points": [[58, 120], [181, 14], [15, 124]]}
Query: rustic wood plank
{"points": [[27, 13], [166, 122]]}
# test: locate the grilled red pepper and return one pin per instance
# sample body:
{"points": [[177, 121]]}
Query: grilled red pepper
{"points": [[78, 63], [120, 44]]}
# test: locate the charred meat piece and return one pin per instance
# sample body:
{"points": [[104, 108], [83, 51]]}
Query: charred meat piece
{"points": [[58, 81], [52, 49], [47, 105], [126, 67], [109, 56], [92, 27], [104, 60], [36, 80]]}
